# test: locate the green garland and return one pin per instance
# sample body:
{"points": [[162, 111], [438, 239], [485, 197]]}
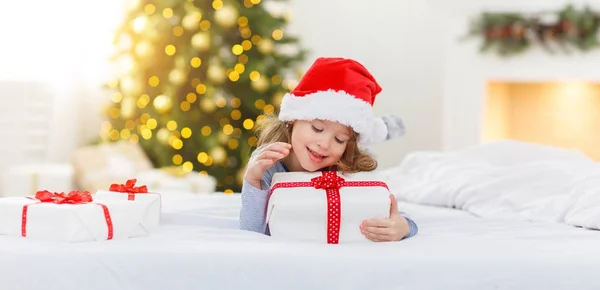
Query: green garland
{"points": [[513, 33]]}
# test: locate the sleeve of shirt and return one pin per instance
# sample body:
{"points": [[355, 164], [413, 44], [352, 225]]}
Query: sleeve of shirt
{"points": [[254, 202], [253, 208], [412, 226]]}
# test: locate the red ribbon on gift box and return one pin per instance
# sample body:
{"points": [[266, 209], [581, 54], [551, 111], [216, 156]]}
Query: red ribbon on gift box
{"points": [[331, 182], [73, 197], [129, 188]]}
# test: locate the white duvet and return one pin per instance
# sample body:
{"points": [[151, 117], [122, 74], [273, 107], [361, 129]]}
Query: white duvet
{"points": [[505, 179]]}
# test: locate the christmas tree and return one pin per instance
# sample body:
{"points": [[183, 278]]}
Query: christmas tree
{"points": [[194, 76]]}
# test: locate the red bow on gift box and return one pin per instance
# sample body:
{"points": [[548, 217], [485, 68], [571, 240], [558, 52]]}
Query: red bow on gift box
{"points": [[73, 197], [129, 188], [328, 180]]}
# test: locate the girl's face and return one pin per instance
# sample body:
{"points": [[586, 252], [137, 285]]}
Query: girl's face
{"points": [[317, 144]]}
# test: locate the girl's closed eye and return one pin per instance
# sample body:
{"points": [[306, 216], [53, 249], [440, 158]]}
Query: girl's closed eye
{"points": [[316, 129], [341, 141]]}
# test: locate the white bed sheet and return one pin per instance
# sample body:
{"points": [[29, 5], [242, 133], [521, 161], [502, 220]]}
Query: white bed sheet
{"points": [[199, 247]]}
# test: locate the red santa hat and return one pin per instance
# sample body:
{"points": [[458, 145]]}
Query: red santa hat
{"points": [[339, 90]]}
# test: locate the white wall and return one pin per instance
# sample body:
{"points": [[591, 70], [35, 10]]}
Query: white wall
{"points": [[399, 42], [469, 8]]}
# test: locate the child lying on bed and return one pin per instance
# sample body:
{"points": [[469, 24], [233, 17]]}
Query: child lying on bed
{"points": [[319, 127]]}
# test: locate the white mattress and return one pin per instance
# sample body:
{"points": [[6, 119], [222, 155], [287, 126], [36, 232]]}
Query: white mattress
{"points": [[199, 247]]}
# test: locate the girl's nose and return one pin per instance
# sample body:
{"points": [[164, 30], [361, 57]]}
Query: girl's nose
{"points": [[324, 143]]}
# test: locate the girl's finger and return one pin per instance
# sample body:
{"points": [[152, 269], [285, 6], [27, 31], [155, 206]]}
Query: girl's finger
{"points": [[375, 237], [273, 155], [282, 147], [381, 223], [377, 231], [263, 164]]}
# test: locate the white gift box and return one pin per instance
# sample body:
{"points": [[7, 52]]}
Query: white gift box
{"points": [[150, 202], [94, 221], [299, 208], [161, 180], [24, 180]]}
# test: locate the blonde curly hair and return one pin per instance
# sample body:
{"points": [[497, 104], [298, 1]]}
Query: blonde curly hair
{"points": [[271, 129]]}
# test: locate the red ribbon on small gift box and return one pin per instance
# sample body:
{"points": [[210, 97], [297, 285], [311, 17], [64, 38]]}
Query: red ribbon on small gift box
{"points": [[331, 183], [129, 188], [73, 197]]}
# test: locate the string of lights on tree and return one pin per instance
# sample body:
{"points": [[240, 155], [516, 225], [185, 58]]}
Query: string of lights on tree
{"points": [[510, 34], [193, 78]]}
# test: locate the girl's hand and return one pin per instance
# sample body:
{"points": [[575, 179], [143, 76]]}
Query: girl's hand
{"points": [[394, 228], [265, 159]]}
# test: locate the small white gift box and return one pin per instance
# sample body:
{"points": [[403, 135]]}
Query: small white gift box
{"points": [[70, 221], [150, 202], [25, 180], [326, 206]]}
